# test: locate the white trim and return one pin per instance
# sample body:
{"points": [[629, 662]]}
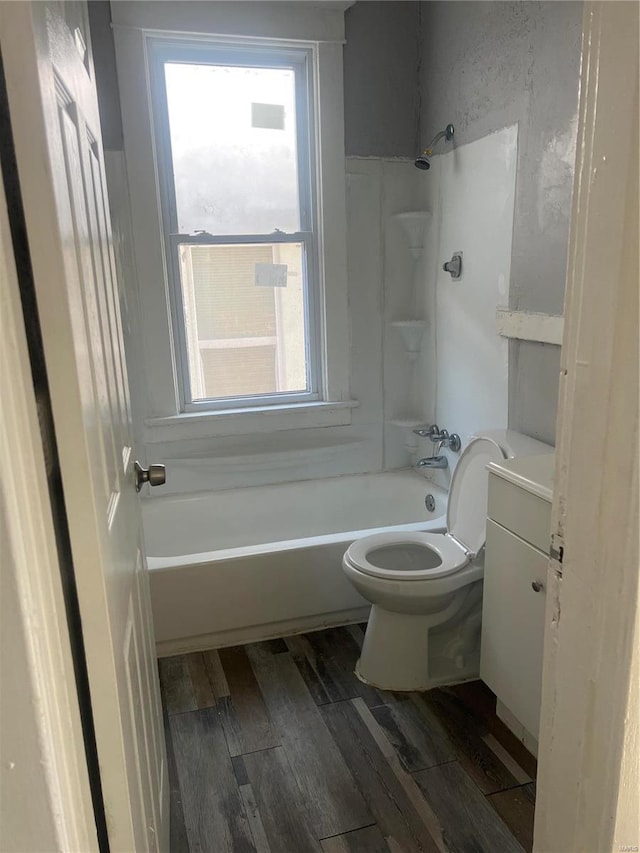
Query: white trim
{"points": [[259, 633], [36, 575], [529, 326], [154, 371], [302, 62], [248, 421], [237, 343], [333, 220]]}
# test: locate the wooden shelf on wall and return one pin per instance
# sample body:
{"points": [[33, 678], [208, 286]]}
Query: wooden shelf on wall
{"points": [[529, 326]]}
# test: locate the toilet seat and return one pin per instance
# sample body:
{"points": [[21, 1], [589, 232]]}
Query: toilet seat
{"points": [[418, 556], [447, 554]]}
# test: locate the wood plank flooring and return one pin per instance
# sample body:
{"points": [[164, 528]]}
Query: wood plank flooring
{"points": [[276, 747]]}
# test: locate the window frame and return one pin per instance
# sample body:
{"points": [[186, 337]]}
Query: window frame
{"points": [[213, 51], [135, 206]]}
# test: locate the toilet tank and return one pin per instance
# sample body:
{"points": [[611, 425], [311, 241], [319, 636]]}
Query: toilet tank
{"points": [[515, 443]]}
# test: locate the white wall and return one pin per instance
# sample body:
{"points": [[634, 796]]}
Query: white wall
{"points": [[460, 377], [380, 263], [380, 276], [380, 280], [471, 198], [470, 191]]}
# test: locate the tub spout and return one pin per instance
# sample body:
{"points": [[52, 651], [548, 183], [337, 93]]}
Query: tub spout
{"points": [[433, 462]]}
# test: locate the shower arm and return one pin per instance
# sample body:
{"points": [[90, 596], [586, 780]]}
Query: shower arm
{"points": [[447, 133], [428, 151]]}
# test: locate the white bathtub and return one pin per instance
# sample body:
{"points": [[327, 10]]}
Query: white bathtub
{"points": [[252, 563]]}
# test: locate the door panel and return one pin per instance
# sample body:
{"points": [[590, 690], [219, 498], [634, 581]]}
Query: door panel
{"points": [[56, 130]]}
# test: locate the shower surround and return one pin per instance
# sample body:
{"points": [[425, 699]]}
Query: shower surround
{"points": [[463, 363]]}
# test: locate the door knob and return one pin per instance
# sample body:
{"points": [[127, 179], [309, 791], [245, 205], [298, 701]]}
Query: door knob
{"points": [[537, 586], [155, 475]]}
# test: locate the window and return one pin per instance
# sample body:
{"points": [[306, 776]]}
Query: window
{"points": [[283, 363], [234, 142]]}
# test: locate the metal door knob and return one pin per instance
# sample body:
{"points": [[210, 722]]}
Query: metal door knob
{"points": [[155, 475], [537, 586]]}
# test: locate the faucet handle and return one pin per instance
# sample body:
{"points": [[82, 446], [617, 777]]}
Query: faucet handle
{"points": [[455, 442], [452, 441], [427, 431]]}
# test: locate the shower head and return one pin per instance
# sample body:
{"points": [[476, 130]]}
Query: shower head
{"points": [[423, 161]]}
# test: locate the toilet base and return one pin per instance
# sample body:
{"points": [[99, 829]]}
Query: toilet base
{"points": [[406, 652]]}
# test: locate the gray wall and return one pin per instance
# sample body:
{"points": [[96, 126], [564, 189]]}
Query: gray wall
{"points": [[381, 57], [486, 65], [381, 61]]}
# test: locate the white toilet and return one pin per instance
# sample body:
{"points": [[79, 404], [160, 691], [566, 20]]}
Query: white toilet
{"points": [[426, 588]]}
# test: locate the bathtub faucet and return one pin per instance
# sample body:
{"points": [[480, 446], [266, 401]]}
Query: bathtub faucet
{"points": [[443, 439], [440, 437], [433, 462]]}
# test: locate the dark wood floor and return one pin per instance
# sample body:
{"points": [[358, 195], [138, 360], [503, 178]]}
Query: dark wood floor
{"points": [[278, 747]]}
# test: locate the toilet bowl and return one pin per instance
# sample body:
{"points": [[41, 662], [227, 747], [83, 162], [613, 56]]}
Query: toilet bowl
{"points": [[426, 588]]}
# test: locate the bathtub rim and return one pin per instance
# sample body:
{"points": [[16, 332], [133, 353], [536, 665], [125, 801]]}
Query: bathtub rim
{"points": [[160, 564]]}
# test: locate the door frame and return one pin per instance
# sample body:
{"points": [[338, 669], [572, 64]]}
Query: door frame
{"points": [[36, 573], [589, 757]]}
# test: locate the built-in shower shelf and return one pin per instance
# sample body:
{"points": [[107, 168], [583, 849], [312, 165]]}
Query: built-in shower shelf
{"points": [[414, 223], [406, 427], [411, 332]]}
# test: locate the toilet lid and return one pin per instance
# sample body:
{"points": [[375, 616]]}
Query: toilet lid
{"points": [[467, 504]]}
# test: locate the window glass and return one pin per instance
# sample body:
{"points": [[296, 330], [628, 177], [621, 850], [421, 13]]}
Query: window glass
{"points": [[244, 317], [233, 143]]}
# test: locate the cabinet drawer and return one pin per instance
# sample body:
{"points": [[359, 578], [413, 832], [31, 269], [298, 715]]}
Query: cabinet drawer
{"points": [[518, 510], [513, 619]]}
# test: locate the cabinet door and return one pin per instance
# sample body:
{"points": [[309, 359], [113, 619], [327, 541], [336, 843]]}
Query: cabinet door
{"points": [[513, 623]]}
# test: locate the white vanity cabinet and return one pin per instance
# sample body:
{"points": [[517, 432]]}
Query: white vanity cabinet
{"points": [[515, 580]]}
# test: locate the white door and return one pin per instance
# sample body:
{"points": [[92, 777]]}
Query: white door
{"points": [[54, 114]]}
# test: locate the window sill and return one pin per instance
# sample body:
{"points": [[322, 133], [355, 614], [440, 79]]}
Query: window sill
{"points": [[247, 421]]}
